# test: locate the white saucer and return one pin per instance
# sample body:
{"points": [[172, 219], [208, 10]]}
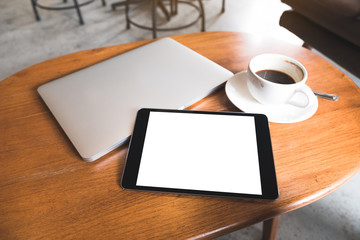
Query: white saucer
{"points": [[238, 93]]}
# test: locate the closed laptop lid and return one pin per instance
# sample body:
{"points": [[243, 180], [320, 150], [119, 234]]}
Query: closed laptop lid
{"points": [[96, 106]]}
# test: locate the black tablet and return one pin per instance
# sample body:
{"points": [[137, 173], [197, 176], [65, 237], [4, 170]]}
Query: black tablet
{"points": [[205, 153]]}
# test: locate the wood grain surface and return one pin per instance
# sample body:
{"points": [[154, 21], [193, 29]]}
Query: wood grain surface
{"points": [[48, 192]]}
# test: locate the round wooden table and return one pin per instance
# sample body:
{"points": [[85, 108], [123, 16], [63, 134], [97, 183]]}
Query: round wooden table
{"points": [[47, 191]]}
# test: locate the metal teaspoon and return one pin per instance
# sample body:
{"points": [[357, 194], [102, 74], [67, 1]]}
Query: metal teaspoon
{"points": [[326, 96]]}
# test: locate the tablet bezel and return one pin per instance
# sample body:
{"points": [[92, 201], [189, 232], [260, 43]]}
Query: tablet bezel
{"points": [[264, 147]]}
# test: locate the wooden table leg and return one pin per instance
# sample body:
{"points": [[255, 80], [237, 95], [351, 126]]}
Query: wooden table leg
{"points": [[270, 228], [164, 10]]}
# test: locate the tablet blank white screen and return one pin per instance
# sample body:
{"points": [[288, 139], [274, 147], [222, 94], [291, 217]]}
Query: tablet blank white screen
{"points": [[200, 152]]}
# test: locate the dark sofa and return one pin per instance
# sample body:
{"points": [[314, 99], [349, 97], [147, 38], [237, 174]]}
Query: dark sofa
{"points": [[330, 26]]}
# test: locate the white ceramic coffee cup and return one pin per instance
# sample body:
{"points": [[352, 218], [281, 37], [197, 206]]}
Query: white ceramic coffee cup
{"points": [[267, 92]]}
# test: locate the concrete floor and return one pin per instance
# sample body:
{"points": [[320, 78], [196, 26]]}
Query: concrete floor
{"points": [[25, 42]]}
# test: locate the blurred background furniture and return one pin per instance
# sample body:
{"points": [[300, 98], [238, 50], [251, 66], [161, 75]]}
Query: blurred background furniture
{"points": [[173, 5], [169, 8], [330, 26], [76, 6], [123, 2]]}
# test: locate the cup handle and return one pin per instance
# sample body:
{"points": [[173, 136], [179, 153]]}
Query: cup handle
{"points": [[301, 97]]}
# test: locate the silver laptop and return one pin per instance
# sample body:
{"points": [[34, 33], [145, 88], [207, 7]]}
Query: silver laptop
{"points": [[96, 106]]}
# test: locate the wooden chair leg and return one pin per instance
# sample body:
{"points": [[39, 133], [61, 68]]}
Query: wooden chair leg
{"points": [[202, 12], [173, 7], [270, 228], [176, 7], [164, 10], [154, 18]]}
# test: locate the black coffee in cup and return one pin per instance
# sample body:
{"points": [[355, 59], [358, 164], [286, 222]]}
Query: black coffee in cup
{"points": [[275, 76]]}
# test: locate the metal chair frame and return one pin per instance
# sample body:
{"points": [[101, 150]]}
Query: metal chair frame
{"points": [[76, 5], [173, 11]]}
